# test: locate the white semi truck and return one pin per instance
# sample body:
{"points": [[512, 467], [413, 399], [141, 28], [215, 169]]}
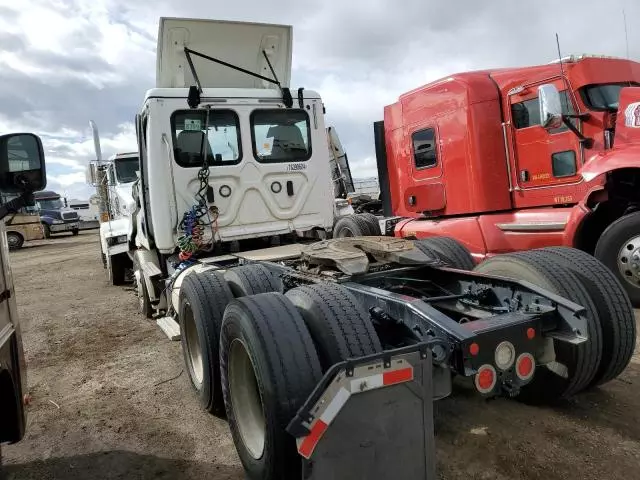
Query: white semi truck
{"points": [[114, 179], [326, 354]]}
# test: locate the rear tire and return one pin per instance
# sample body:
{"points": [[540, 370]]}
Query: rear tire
{"points": [[269, 367], [351, 226], [203, 298], [449, 250], [582, 361], [339, 325], [613, 307], [624, 231], [372, 221], [251, 280]]}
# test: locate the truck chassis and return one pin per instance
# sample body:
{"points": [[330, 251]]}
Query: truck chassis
{"points": [[363, 334]]}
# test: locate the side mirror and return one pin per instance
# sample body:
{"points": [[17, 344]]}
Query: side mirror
{"points": [[550, 106], [22, 167]]}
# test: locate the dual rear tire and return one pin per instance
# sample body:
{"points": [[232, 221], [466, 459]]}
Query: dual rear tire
{"points": [[270, 353], [575, 275]]}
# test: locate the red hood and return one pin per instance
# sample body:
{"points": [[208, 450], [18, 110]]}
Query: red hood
{"points": [[626, 150]]}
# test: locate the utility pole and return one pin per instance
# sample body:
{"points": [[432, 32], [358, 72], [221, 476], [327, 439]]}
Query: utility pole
{"points": [[101, 180]]}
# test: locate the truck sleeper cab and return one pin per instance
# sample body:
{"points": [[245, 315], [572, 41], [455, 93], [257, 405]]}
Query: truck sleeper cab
{"points": [[469, 156]]}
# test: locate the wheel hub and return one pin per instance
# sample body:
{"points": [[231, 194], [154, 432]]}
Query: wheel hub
{"points": [[629, 261]]}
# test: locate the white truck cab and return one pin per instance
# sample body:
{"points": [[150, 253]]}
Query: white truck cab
{"points": [[222, 95], [120, 173]]}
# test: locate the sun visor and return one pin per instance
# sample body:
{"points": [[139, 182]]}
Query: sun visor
{"points": [[237, 43]]}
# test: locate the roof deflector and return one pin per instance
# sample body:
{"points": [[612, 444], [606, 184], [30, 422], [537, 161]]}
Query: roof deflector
{"points": [[212, 53]]}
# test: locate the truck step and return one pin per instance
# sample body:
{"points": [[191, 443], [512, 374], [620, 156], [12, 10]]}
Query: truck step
{"points": [[170, 327]]}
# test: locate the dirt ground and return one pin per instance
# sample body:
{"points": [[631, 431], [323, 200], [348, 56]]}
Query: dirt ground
{"points": [[111, 399]]}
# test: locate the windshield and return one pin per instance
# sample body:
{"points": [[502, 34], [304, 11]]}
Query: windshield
{"points": [[281, 135], [51, 204], [223, 135], [604, 96], [126, 169]]}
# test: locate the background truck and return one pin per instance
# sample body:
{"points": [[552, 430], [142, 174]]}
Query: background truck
{"points": [[55, 215], [21, 225], [22, 171], [321, 351], [114, 180], [88, 212], [520, 158]]}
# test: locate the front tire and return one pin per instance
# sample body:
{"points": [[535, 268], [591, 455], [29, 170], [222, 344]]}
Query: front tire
{"points": [[144, 303], [619, 249], [15, 240], [116, 269], [75, 232], [46, 230]]}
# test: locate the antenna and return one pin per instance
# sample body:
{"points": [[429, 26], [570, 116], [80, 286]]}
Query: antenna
{"points": [[626, 33], [564, 79]]}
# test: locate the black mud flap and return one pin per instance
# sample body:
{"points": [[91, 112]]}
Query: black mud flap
{"points": [[370, 418]]}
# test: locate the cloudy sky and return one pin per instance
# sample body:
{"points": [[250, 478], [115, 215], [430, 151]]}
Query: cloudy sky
{"points": [[65, 62]]}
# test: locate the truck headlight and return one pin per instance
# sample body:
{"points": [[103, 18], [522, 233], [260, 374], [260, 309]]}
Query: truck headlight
{"points": [[58, 222]]}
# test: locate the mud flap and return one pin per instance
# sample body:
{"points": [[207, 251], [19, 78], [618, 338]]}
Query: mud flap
{"points": [[370, 418]]}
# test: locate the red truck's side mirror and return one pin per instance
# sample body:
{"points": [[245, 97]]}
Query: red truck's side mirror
{"points": [[550, 106], [22, 166]]}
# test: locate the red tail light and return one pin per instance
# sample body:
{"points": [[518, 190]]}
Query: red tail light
{"points": [[486, 379], [525, 366]]}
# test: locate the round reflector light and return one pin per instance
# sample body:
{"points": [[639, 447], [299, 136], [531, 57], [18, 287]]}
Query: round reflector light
{"points": [[505, 355], [525, 366], [485, 379]]}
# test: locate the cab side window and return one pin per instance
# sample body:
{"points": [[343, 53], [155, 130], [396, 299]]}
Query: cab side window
{"points": [[424, 148], [527, 114]]}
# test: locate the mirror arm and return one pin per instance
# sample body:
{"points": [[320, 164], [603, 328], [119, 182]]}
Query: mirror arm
{"points": [[16, 204], [587, 142]]}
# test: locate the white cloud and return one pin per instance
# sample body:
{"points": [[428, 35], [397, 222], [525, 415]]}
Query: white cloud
{"points": [[64, 62]]}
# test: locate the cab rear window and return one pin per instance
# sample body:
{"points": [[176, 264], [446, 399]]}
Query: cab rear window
{"points": [[222, 134], [281, 135]]}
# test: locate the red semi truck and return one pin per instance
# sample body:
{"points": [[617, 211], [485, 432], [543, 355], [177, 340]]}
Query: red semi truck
{"points": [[521, 158]]}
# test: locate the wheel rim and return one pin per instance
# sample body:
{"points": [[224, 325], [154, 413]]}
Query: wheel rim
{"points": [[629, 261], [194, 352], [13, 240], [245, 399]]}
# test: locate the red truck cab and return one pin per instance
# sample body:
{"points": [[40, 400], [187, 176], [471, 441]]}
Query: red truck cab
{"points": [[468, 156]]}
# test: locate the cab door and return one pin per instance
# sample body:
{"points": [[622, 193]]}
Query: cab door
{"points": [[545, 162]]}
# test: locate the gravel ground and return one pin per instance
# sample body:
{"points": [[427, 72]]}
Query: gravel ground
{"points": [[110, 399]]}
